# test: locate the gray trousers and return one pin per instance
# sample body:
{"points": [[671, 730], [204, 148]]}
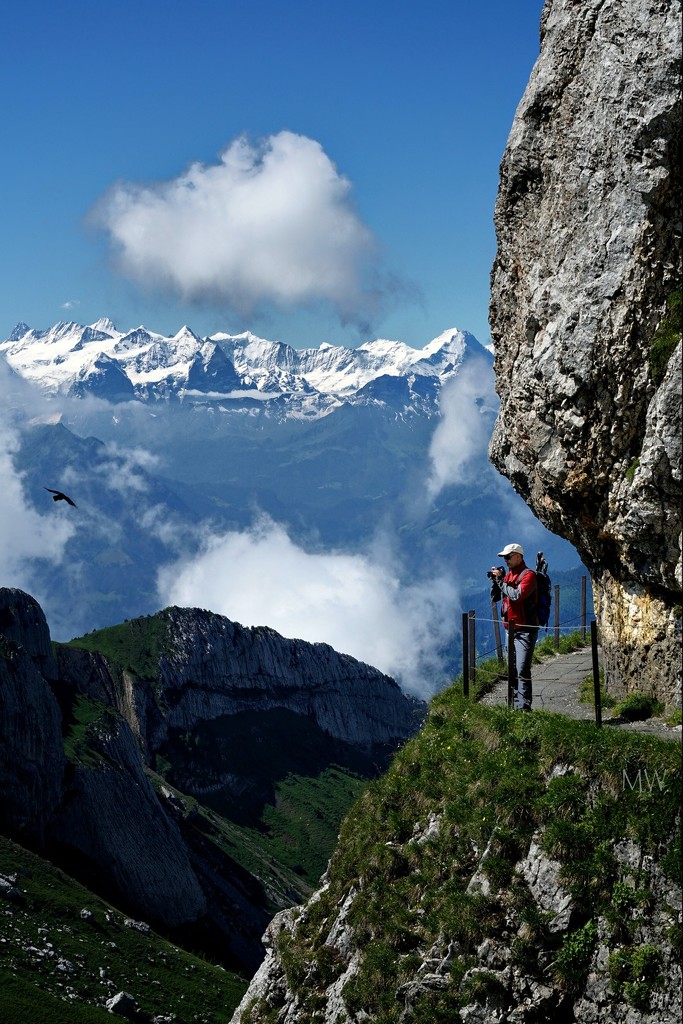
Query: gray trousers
{"points": [[525, 641]]}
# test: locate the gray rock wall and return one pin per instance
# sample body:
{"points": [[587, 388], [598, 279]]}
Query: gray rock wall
{"points": [[588, 226], [113, 822], [107, 816], [215, 667], [219, 667], [519, 999]]}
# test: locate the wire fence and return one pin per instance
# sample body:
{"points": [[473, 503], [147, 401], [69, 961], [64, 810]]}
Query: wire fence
{"points": [[572, 625], [578, 623]]}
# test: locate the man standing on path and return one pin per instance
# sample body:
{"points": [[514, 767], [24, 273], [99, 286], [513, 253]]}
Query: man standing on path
{"points": [[517, 588]]}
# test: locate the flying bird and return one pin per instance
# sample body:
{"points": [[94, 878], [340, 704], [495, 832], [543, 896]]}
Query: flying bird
{"points": [[59, 496]]}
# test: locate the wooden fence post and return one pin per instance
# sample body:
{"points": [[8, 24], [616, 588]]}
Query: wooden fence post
{"points": [[596, 674], [583, 607], [465, 655], [473, 647]]}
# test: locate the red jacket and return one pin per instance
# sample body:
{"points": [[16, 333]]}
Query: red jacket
{"points": [[518, 592]]}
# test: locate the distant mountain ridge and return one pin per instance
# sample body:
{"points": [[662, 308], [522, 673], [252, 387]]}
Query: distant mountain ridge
{"points": [[76, 359]]}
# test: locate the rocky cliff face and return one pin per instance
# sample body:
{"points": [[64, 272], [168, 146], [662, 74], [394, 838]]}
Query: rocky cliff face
{"points": [[217, 667], [110, 825], [588, 225], [496, 874], [104, 819], [211, 669], [502, 991], [32, 759]]}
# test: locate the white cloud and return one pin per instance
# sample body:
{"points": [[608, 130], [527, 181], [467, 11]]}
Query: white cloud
{"points": [[467, 404], [355, 603], [272, 223], [123, 469], [24, 534]]}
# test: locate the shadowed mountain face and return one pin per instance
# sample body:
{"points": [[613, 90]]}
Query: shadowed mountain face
{"points": [[167, 772]]}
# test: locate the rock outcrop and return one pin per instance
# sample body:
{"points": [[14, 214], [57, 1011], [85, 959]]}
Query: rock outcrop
{"points": [[505, 992], [111, 826], [485, 879], [220, 681], [105, 818], [588, 221]]}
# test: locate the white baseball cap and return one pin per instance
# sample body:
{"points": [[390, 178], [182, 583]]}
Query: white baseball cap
{"points": [[511, 549]]}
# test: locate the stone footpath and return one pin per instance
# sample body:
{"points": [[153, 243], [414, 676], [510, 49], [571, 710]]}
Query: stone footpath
{"points": [[556, 685]]}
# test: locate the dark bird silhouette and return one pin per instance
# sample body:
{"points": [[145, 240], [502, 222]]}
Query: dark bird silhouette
{"points": [[58, 496]]}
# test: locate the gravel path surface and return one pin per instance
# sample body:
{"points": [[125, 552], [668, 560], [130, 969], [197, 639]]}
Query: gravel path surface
{"points": [[556, 686]]}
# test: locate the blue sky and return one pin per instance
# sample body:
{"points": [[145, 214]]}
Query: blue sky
{"points": [[359, 203]]}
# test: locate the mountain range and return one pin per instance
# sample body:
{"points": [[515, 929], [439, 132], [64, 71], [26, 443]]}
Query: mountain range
{"points": [[244, 475], [98, 359], [169, 783]]}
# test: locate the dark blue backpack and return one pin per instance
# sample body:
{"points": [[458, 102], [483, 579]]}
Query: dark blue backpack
{"points": [[544, 590]]}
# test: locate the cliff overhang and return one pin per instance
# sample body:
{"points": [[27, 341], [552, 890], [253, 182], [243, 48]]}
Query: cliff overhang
{"points": [[585, 279]]}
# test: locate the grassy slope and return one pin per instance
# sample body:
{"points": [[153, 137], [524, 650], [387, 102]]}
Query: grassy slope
{"points": [[56, 965], [289, 849], [486, 775], [135, 645]]}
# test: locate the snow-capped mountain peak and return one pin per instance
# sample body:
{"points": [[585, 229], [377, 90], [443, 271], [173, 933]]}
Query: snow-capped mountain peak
{"points": [[19, 331], [105, 325], [70, 358]]}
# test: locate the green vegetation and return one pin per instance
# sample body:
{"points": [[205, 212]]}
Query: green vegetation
{"points": [[288, 806], [666, 338], [303, 824], [567, 644], [288, 847], [573, 960], [24, 1003], [637, 707], [84, 722], [631, 471], [135, 645], [62, 964], [487, 675], [636, 969], [281, 819], [587, 692], [481, 783], [628, 907]]}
